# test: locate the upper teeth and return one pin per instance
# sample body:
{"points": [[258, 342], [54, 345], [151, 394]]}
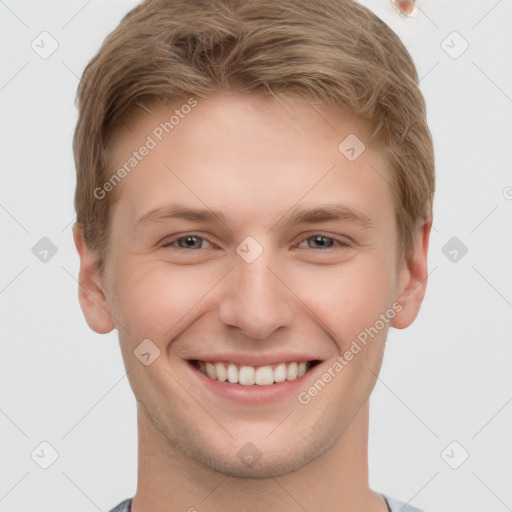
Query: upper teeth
{"points": [[250, 375]]}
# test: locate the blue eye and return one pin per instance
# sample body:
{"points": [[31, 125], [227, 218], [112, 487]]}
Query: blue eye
{"points": [[320, 242], [195, 243], [186, 242], [323, 242]]}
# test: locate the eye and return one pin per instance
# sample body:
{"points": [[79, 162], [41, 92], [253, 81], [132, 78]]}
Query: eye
{"points": [[190, 242], [323, 242]]}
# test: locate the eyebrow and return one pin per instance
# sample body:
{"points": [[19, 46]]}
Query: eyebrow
{"points": [[323, 213]]}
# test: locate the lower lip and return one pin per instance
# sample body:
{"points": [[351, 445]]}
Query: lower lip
{"points": [[254, 394]]}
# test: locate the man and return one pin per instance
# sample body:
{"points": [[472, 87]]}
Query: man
{"points": [[254, 204]]}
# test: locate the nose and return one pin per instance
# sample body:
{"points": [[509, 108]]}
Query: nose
{"points": [[254, 299]]}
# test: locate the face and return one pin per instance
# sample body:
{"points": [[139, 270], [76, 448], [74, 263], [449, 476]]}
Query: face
{"points": [[258, 262]]}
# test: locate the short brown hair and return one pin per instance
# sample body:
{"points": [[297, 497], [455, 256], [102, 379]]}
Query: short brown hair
{"points": [[335, 52]]}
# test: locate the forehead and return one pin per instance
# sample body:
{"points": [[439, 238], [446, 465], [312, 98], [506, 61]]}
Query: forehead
{"points": [[248, 156]]}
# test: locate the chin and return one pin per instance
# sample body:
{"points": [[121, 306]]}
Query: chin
{"points": [[260, 460]]}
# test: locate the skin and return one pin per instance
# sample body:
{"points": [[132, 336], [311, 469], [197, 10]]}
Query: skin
{"points": [[255, 160]]}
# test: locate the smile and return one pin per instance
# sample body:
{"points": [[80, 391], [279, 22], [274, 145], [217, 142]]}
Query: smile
{"points": [[245, 375]]}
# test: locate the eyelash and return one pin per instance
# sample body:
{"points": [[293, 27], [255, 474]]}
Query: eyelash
{"points": [[336, 243]]}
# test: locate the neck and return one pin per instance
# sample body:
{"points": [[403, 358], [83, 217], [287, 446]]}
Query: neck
{"points": [[338, 480]]}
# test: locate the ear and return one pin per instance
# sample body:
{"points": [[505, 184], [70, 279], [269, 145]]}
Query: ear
{"points": [[412, 279], [90, 288]]}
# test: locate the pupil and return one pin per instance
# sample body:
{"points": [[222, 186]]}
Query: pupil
{"points": [[322, 241], [190, 241]]}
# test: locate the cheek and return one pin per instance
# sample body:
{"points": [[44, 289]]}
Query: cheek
{"points": [[350, 297], [154, 299]]}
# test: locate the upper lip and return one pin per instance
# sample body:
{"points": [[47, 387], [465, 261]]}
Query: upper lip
{"points": [[255, 359]]}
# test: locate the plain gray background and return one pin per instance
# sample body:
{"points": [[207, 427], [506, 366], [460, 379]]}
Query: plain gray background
{"points": [[445, 390]]}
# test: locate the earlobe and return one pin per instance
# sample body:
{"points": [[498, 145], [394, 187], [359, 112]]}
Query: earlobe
{"points": [[90, 288], [412, 280]]}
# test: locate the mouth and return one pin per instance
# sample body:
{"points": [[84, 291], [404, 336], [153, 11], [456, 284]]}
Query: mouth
{"points": [[246, 375]]}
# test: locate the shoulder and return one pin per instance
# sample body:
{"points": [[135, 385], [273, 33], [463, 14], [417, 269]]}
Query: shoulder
{"points": [[123, 506], [394, 506], [399, 506]]}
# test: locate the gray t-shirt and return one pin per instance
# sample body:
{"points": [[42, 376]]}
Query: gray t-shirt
{"points": [[393, 506]]}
